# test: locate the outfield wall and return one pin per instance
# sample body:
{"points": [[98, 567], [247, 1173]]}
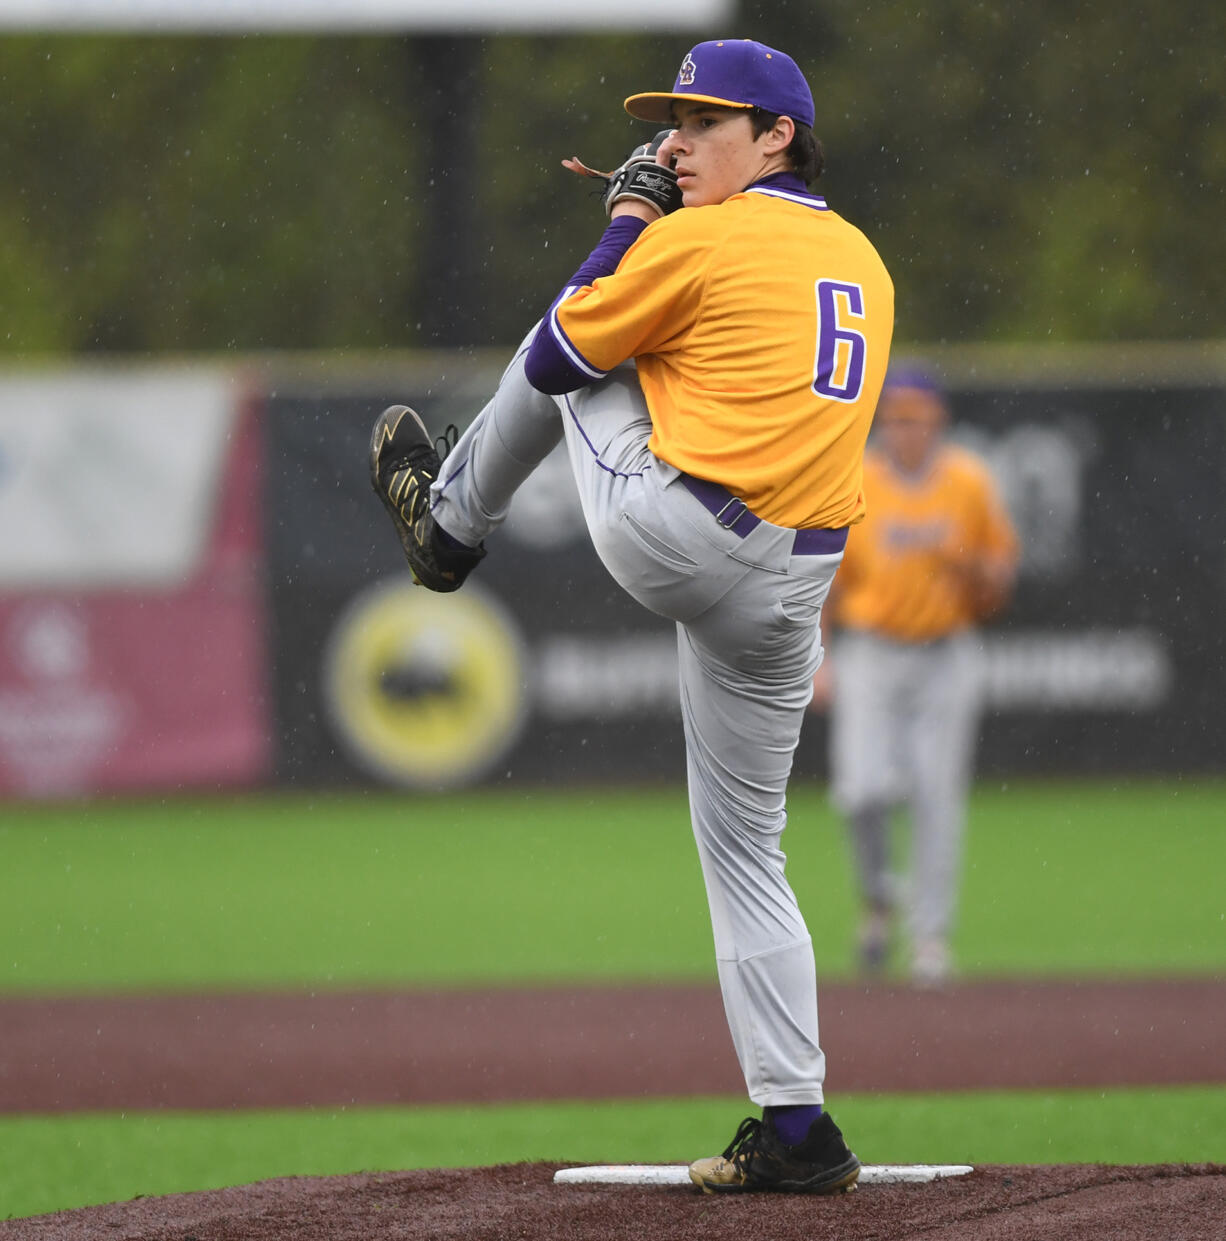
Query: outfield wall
{"points": [[285, 644]]}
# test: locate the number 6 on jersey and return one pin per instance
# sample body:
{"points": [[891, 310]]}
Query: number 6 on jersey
{"points": [[838, 366]]}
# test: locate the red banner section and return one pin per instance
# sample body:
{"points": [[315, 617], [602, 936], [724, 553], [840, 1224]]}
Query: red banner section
{"points": [[139, 684]]}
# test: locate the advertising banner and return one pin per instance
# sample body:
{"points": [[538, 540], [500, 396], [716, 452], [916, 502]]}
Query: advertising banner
{"points": [[1109, 660], [131, 584]]}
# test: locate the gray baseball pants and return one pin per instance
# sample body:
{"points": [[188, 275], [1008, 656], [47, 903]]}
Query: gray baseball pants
{"points": [[904, 722], [747, 614]]}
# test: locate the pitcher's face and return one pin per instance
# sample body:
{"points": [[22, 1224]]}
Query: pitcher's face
{"points": [[715, 153]]}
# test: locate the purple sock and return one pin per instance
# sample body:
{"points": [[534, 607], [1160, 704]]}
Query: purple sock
{"points": [[450, 541], [792, 1123]]}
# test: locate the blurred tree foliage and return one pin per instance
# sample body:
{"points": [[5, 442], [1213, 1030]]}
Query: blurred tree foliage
{"points": [[1045, 172]]}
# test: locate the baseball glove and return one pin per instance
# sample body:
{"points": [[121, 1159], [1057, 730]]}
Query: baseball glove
{"points": [[639, 177]]}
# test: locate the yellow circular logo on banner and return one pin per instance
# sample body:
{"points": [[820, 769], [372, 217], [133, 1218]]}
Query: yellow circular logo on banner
{"points": [[425, 690]]}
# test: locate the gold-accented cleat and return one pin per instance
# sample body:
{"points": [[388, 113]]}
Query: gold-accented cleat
{"points": [[404, 461], [758, 1161]]}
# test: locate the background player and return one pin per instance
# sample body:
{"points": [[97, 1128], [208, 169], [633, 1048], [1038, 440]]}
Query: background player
{"points": [[713, 367], [935, 554]]}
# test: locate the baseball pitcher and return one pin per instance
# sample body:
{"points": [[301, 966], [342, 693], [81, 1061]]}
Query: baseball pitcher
{"points": [[713, 367]]}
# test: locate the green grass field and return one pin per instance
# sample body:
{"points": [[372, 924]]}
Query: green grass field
{"points": [[384, 890], [56, 1162]]}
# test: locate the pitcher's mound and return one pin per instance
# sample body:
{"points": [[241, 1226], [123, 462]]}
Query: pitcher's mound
{"points": [[1088, 1202]]}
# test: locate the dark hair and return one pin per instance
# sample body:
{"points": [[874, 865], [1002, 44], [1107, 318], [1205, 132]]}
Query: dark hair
{"points": [[805, 152]]}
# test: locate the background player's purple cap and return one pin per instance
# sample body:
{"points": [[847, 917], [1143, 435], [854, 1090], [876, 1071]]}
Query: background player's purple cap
{"points": [[913, 375], [734, 73]]}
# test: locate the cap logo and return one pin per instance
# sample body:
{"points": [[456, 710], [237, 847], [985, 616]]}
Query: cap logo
{"points": [[685, 77]]}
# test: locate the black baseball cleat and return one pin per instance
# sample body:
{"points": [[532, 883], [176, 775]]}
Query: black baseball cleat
{"points": [[404, 461], [758, 1161]]}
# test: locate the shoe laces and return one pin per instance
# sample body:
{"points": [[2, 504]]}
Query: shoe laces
{"points": [[444, 443], [744, 1143]]}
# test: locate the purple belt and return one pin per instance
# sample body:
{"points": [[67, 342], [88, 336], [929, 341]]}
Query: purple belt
{"points": [[734, 514]]}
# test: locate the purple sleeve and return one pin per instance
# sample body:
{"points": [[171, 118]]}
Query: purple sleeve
{"points": [[621, 234], [553, 364]]}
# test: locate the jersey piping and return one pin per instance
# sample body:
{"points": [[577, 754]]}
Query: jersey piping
{"points": [[805, 200], [576, 359]]}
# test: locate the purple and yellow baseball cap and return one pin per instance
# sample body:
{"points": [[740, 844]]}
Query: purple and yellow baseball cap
{"points": [[733, 73]]}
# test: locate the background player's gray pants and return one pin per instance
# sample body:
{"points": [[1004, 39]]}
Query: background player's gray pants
{"points": [[904, 722], [747, 613]]}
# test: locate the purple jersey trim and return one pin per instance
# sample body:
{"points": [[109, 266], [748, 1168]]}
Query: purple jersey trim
{"points": [[785, 181], [789, 186], [805, 200], [553, 364]]}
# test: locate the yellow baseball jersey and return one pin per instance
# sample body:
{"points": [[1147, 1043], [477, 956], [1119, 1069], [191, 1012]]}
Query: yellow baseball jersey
{"points": [[761, 329], [899, 573]]}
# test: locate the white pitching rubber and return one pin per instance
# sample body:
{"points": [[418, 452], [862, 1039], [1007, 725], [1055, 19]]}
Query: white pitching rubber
{"points": [[679, 1174]]}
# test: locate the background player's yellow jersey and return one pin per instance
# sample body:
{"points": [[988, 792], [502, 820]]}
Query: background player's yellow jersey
{"points": [[900, 573], [761, 332]]}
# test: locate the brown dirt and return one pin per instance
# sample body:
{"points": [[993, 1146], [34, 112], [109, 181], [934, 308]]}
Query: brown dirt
{"points": [[224, 1051], [1079, 1202]]}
